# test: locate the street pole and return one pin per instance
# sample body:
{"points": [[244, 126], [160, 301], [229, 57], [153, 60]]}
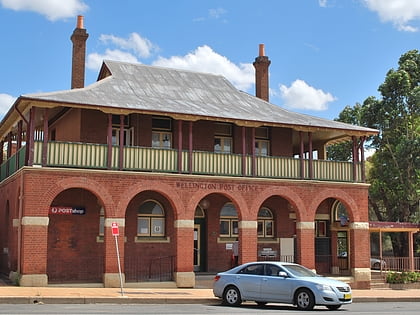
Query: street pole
{"points": [[119, 264]]}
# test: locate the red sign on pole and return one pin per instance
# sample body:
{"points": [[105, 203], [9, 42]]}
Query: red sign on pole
{"points": [[114, 228]]}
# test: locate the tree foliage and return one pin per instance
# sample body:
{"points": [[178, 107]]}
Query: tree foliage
{"points": [[394, 170], [343, 151]]}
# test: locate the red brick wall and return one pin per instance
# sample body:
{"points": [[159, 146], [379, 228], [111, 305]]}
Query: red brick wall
{"points": [[144, 255], [34, 249], [203, 135], [94, 126], [120, 193], [306, 249], [281, 142], [72, 239], [67, 128], [9, 208]]}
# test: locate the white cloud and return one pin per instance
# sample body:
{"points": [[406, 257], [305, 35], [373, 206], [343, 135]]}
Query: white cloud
{"points": [[94, 60], [6, 101], [128, 49], [139, 45], [300, 95], [323, 3], [214, 14], [52, 9], [204, 59], [217, 13], [399, 12]]}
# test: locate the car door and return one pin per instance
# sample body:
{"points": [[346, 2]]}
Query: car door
{"points": [[249, 280], [275, 288]]}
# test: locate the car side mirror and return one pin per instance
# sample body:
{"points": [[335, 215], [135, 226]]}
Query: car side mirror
{"points": [[283, 274]]}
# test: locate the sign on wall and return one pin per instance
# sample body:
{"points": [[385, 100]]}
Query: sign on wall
{"points": [[67, 210]]}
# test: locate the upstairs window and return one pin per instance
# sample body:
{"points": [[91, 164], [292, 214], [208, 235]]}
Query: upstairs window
{"points": [[161, 132], [262, 141], [223, 138], [127, 137], [128, 133]]}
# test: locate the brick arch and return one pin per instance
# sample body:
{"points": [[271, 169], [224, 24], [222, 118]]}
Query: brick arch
{"points": [[338, 194], [284, 192], [236, 199], [165, 190], [92, 186]]}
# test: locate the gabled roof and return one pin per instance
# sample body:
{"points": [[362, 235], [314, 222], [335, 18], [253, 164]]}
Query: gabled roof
{"points": [[141, 88]]}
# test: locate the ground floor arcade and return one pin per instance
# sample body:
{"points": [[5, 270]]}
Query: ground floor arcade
{"points": [[57, 226]]}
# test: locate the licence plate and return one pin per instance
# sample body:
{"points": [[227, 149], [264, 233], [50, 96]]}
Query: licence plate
{"points": [[347, 296]]}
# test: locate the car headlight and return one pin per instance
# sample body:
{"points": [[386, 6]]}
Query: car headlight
{"points": [[324, 287]]}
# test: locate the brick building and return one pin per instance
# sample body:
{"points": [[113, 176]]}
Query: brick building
{"points": [[185, 164]]}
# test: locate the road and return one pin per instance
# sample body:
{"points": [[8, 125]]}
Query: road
{"points": [[246, 309]]}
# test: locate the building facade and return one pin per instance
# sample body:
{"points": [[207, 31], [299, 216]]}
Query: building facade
{"points": [[185, 165]]}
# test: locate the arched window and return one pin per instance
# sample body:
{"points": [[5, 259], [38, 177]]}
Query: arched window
{"points": [[199, 212], [228, 221], [151, 219], [265, 223], [339, 213]]}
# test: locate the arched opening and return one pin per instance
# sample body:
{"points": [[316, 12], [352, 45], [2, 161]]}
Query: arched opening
{"points": [[276, 230], [149, 250], [75, 245], [332, 239], [200, 237], [216, 224]]}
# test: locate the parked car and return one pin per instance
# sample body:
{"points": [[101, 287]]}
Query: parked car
{"points": [[280, 282], [377, 264]]}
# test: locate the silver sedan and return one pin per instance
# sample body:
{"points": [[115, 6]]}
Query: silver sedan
{"points": [[280, 282]]}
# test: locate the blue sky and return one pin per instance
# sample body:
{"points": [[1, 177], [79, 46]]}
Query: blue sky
{"points": [[325, 54]]}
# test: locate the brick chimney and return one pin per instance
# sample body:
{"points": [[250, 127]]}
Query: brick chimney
{"points": [[261, 65], [78, 38]]}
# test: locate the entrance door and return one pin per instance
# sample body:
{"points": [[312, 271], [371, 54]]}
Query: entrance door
{"points": [[342, 246], [197, 247]]}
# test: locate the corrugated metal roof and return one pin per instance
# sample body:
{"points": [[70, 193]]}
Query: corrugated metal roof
{"points": [[155, 89]]}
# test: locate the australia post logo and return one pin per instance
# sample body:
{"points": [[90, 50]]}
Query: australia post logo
{"points": [[67, 210]]}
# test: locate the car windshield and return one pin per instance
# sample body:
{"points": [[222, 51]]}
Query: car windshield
{"points": [[299, 271]]}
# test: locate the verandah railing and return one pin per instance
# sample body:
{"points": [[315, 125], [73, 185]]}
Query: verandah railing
{"points": [[85, 155], [15, 162]]}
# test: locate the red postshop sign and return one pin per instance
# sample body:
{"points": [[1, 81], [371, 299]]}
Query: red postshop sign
{"points": [[115, 229]]}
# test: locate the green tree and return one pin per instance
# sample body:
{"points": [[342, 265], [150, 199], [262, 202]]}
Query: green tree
{"points": [[394, 170], [351, 115]]}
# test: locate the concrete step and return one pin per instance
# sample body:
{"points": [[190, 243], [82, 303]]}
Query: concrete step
{"points": [[378, 281]]}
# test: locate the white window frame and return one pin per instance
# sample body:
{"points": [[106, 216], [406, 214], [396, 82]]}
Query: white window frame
{"points": [[259, 144], [128, 136], [154, 223], [232, 222], [263, 222], [225, 144], [165, 139]]}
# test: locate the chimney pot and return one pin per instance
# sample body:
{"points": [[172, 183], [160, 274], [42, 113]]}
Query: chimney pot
{"points": [[262, 52], [80, 21]]}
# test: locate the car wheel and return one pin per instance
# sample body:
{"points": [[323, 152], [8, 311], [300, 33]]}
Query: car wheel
{"points": [[232, 296], [305, 300], [376, 266], [333, 307]]}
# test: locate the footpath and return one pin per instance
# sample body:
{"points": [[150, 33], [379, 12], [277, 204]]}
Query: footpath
{"points": [[166, 295]]}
